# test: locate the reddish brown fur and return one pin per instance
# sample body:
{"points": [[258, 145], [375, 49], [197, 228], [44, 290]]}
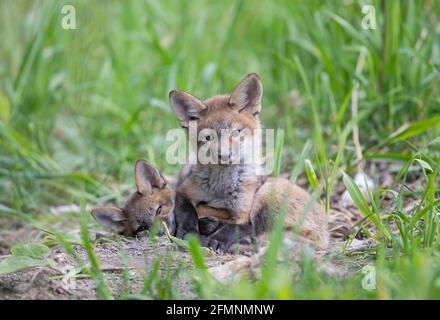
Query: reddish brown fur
{"points": [[137, 204], [241, 110], [152, 201], [219, 110], [278, 194]]}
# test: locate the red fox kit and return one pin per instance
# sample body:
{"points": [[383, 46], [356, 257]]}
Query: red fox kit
{"points": [[152, 201], [230, 191]]}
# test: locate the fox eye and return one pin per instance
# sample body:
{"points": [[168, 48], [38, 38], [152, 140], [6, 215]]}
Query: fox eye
{"points": [[158, 210], [141, 228]]}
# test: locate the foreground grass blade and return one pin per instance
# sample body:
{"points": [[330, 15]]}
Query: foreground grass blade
{"points": [[362, 204], [101, 289], [203, 282]]}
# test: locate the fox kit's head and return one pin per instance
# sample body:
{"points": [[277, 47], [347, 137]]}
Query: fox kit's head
{"points": [[152, 202], [225, 124]]}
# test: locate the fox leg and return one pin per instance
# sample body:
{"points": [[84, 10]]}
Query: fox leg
{"points": [[230, 238], [205, 211], [223, 210], [208, 226], [186, 220]]}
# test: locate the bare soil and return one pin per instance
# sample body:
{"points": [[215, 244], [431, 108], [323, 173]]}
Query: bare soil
{"points": [[114, 254], [139, 254]]}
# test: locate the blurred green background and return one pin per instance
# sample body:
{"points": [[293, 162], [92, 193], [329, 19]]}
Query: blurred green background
{"points": [[78, 107]]}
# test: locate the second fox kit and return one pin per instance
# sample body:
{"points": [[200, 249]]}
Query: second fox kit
{"points": [[152, 201], [234, 192]]}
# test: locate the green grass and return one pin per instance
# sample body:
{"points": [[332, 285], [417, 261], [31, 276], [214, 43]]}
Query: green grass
{"points": [[78, 107]]}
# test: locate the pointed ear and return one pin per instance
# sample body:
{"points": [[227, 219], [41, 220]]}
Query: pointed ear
{"points": [[247, 95], [186, 107], [147, 176], [110, 217]]}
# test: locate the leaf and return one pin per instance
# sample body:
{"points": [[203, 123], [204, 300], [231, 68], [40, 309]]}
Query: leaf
{"points": [[300, 163], [16, 263], [424, 164], [36, 251], [179, 242], [414, 129], [362, 204], [278, 151], [202, 278], [311, 175], [409, 130], [102, 292], [183, 244], [27, 256], [388, 156], [356, 194], [196, 252]]}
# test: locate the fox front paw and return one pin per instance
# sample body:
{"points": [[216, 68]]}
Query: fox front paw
{"points": [[214, 244], [228, 238], [186, 221]]}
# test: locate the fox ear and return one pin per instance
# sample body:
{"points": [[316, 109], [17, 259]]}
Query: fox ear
{"points": [[186, 107], [247, 95], [110, 217], [147, 176]]}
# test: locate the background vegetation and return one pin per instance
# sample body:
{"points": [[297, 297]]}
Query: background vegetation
{"points": [[78, 107]]}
